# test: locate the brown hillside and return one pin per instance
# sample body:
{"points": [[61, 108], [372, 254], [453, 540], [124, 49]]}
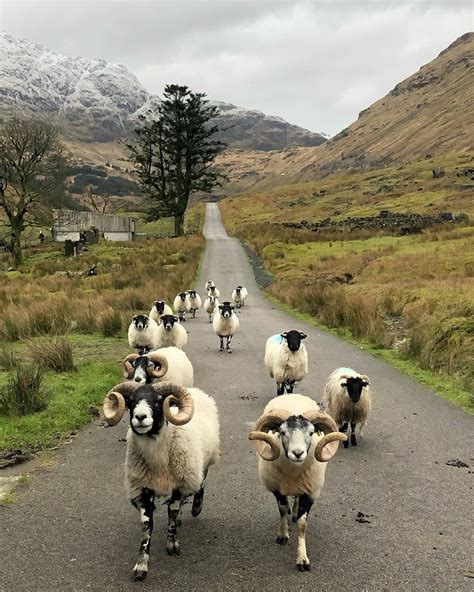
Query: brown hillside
{"points": [[428, 113]]}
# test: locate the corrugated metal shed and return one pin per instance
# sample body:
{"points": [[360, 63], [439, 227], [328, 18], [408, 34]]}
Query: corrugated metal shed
{"points": [[68, 223]]}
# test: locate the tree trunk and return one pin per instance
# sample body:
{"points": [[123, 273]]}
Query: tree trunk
{"points": [[15, 248], [179, 225]]}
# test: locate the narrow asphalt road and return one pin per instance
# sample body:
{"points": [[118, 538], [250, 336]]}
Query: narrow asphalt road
{"points": [[73, 529]]}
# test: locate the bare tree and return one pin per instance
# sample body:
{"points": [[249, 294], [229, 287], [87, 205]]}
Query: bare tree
{"points": [[102, 204], [32, 163]]}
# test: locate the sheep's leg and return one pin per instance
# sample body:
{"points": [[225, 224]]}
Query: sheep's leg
{"points": [[305, 503], [294, 512], [183, 316], [146, 505], [280, 388], [284, 509], [353, 434], [194, 313], [174, 507], [222, 343], [229, 339], [198, 499], [343, 429], [290, 385]]}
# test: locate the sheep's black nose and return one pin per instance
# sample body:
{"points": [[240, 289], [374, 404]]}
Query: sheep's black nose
{"points": [[298, 453], [137, 379], [140, 417]]}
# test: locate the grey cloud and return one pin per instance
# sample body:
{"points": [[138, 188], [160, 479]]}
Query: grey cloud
{"points": [[315, 63]]}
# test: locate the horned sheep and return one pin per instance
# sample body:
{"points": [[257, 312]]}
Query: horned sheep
{"points": [[168, 453], [286, 359], [225, 324], [292, 459], [168, 364], [347, 399], [143, 334]]}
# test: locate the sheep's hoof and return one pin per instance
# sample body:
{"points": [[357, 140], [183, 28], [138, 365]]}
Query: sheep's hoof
{"points": [[139, 574], [346, 444], [229, 351], [353, 441], [282, 539], [173, 548], [221, 349], [303, 565]]}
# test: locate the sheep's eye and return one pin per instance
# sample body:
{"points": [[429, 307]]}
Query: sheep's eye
{"points": [[282, 433], [343, 384]]}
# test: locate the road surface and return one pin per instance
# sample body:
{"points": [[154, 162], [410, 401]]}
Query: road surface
{"points": [[73, 529]]}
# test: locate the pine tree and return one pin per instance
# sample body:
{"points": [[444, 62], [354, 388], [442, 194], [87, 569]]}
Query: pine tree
{"points": [[174, 154]]}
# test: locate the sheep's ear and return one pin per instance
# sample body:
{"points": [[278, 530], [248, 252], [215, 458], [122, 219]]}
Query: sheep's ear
{"points": [[135, 318], [284, 335], [176, 319], [303, 335], [343, 384], [365, 380]]}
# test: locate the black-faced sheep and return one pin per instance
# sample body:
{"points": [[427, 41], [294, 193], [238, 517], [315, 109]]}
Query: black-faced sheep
{"points": [[292, 459], [194, 301], [168, 364], [168, 453], [171, 332], [210, 305], [159, 308], [286, 359], [347, 399], [225, 324], [143, 334], [182, 305], [239, 295]]}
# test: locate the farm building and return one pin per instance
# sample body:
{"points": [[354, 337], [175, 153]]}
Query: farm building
{"points": [[68, 225]]}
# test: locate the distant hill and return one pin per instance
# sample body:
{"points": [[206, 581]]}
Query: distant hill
{"points": [[428, 113], [98, 102]]}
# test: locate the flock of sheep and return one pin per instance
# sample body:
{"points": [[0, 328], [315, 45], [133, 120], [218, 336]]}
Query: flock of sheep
{"points": [[173, 437]]}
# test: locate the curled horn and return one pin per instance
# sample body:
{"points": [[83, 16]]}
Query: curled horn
{"points": [[179, 396], [113, 406], [159, 360], [327, 446], [261, 437], [127, 366]]}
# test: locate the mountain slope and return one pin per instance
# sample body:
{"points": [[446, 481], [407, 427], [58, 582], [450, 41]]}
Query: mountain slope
{"points": [[96, 101], [428, 113]]}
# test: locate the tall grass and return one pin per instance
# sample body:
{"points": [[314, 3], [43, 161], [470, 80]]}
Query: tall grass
{"points": [[23, 392], [54, 353]]}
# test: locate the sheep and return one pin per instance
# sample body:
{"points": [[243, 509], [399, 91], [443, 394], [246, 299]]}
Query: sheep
{"points": [[286, 359], [208, 284], [182, 305], [143, 334], [239, 295], [213, 291], [171, 332], [168, 364], [194, 301], [225, 324], [160, 308], [347, 399], [168, 453], [292, 459], [210, 305]]}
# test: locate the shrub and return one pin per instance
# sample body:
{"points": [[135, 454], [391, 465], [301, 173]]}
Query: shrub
{"points": [[7, 358], [54, 353], [110, 322], [24, 393]]}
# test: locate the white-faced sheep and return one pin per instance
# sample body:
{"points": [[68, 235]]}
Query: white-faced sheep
{"points": [[168, 364], [210, 305], [168, 454], [194, 301], [286, 359], [239, 295], [143, 334], [160, 308], [182, 305], [213, 291], [347, 399], [293, 454], [225, 324], [171, 332]]}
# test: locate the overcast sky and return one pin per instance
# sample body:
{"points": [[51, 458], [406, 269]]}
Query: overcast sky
{"points": [[316, 63]]}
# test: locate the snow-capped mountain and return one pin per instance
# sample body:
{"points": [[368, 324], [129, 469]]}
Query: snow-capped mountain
{"points": [[97, 101]]}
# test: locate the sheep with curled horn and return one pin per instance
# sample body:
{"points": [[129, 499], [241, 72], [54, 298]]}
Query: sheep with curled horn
{"points": [[168, 364], [294, 441], [348, 399], [168, 453]]}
